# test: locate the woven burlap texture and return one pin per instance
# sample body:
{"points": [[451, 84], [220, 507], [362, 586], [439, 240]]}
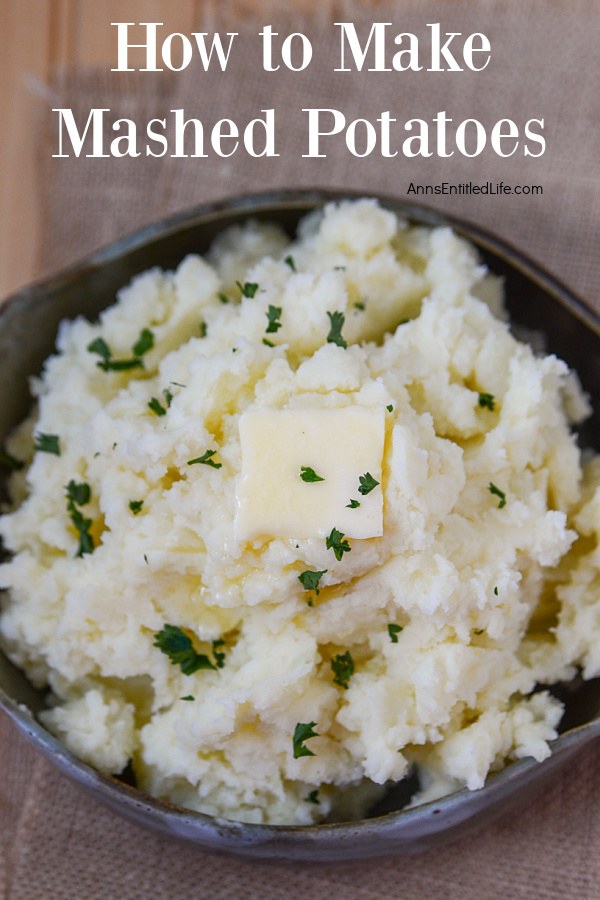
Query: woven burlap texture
{"points": [[57, 841]]}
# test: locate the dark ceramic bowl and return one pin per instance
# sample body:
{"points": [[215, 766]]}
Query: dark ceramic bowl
{"points": [[28, 324]]}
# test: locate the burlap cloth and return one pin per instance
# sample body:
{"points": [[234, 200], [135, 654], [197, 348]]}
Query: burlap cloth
{"points": [[57, 841]]}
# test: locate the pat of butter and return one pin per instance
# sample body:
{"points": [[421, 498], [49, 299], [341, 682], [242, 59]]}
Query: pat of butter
{"points": [[340, 445]]}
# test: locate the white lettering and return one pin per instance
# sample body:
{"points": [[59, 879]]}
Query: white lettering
{"points": [[180, 125], [219, 134], [95, 118], [537, 138], [315, 132], [498, 135], [167, 52], [216, 46], [438, 50], [469, 49], [123, 46], [480, 137], [267, 126], [157, 138], [348, 31]]}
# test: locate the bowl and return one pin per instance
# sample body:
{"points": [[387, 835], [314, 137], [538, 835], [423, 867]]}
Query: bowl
{"points": [[28, 325]]}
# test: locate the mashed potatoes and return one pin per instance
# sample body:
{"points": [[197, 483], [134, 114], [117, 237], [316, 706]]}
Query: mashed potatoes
{"points": [[270, 678]]}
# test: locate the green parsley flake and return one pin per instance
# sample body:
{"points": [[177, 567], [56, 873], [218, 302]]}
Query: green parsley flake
{"points": [[302, 732], [393, 631], [313, 797], [342, 667], [268, 343], [144, 343], [310, 580], [273, 317], [354, 504], [335, 332], [156, 406], [367, 484], [47, 443], [187, 697], [99, 346], [79, 494], [203, 329], [487, 400], [248, 289], [335, 541], [223, 297], [498, 493], [289, 261], [390, 408], [309, 475], [496, 590], [206, 459], [360, 306], [478, 631], [177, 645], [136, 506], [9, 463], [218, 654]]}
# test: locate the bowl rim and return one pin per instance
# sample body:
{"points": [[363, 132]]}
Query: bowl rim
{"points": [[208, 829]]}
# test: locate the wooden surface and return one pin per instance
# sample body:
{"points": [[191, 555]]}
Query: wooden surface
{"points": [[36, 36]]}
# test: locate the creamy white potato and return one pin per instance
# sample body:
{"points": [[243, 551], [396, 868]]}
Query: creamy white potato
{"points": [[269, 671]]}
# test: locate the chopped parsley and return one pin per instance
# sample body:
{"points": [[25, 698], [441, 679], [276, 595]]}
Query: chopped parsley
{"points": [[273, 317], [47, 443], [223, 297], [156, 406], [9, 463], [354, 504], [136, 506], [496, 590], [313, 797], [144, 343], [478, 631], [289, 261], [218, 654], [79, 494], [177, 645], [393, 631], [309, 475], [342, 667], [335, 541], [367, 484], [203, 329], [206, 459], [248, 289], [335, 332], [302, 732], [498, 493], [390, 407], [267, 342], [187, 697], [360, 306], [310, 580], [487, 400]]}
